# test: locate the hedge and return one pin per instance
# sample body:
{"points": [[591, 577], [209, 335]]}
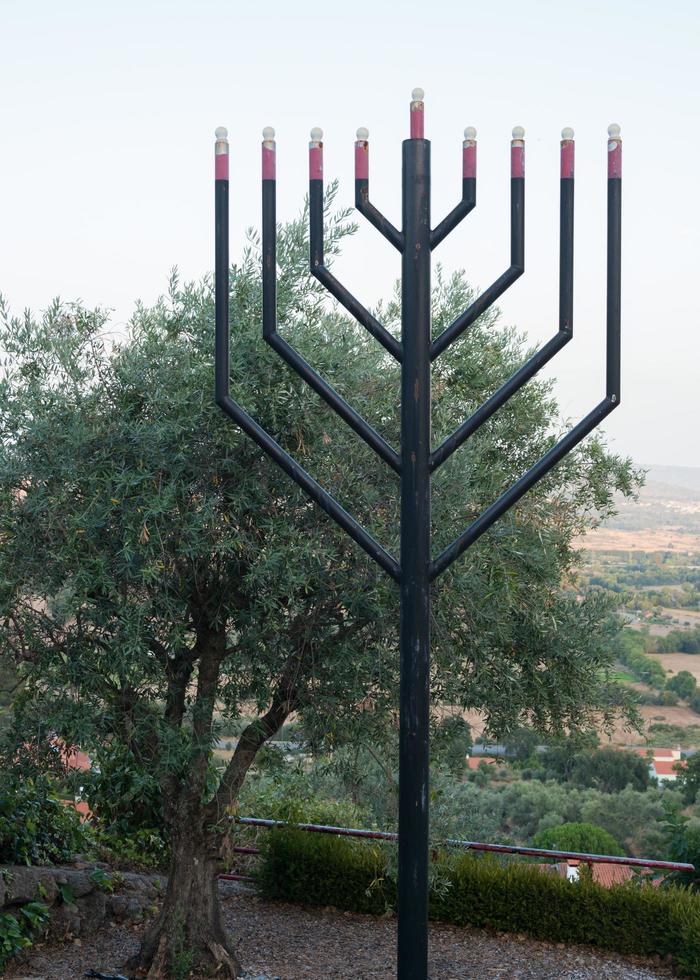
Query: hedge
{"points": [[633, 918]]}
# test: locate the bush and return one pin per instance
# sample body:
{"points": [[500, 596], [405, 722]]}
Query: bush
{"points": [[319, 869], [124, 794], [586, 837], [683, 684], [17, 931], [145, 848], [36, 828], [484, 892]]}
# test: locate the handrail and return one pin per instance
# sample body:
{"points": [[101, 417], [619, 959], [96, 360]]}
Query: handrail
{"points": [[454, 842]]}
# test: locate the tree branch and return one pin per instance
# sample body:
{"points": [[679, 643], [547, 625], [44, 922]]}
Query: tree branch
{"points": [[254, 736]]}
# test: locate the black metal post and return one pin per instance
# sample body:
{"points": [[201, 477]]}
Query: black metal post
{"points": [[415, 563]]}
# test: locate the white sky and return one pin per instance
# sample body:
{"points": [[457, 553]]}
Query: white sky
{"points": [[108, 112]]}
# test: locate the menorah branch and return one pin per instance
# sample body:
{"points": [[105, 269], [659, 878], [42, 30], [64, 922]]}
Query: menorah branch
{"points": [[517, 255], [566, 316], [270, 334], [362, 201], [468, 202], [317, 259], [311, 487], [521, 487], [222, 375], [612, 397]]}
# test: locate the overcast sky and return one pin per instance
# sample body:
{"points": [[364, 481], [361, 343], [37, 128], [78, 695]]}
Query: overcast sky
{"points": [[107, 119]]}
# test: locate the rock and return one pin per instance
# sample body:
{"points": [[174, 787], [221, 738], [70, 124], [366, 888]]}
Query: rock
{"points": [[93, 911], [64, 921], [24, 885], [80, 884], [134, 910], [117, 906]]}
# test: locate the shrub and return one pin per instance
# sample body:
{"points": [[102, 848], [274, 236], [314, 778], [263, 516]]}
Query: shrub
{"points": [[145, 848], [124, 794], [635, 918], [17, 930], [586, 837], [683, 684], [319, 869], [35, 827]]}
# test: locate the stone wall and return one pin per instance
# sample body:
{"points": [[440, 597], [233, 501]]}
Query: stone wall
{"points": [[80, 900]]}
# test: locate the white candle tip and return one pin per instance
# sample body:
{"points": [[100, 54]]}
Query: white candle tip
{"points": [[518, 133], [470, 133], [614, 131], [363, 133], [317, 134], [417, 94], [268, 134], [221, 133], [567, 133]]}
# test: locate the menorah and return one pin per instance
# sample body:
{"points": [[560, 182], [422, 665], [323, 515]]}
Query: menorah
{"points": [[415, 461]]}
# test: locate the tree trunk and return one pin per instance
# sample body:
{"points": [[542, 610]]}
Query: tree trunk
{"points": [[189, 939]]}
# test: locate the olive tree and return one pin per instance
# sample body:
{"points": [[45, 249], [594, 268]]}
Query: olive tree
{"points": [[159, 576]]}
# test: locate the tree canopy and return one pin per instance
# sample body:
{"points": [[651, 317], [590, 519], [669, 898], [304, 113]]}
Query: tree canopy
{"points": [[586, 838], [158, 575]]}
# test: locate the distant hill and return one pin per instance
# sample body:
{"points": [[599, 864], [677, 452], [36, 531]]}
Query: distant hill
{"points": [[675, 478], [669, 501]]}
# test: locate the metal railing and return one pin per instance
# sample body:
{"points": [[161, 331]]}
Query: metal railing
{"points": [[584, 858]]}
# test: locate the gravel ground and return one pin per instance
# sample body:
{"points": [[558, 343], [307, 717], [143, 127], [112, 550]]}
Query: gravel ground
{"points": [[286, 942]]}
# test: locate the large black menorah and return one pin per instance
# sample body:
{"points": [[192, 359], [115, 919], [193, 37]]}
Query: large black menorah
{"points": [[414, 462]]}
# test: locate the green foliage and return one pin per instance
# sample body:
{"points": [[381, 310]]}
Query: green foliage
{"points": [[123, 792], [683, 683], [483, 892], [512, 811], [103, 880], [630, 649], [313, 869], [688, 779], [651, 581], [609, 770], [679, 641], [146, 848], [35, 827], [584, 837], [662, 732], [66, 893], [17, 930], [450, 743], [683, 844]]}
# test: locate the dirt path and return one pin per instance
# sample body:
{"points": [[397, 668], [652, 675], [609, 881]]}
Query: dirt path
{"points": [[291, 943]]}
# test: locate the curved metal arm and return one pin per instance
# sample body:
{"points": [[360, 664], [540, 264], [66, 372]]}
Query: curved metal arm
{"points": [[291, 356], [335, 288], [252, 428], [545, 353], [457, 214], [595, 417], [375, 217], [490, 295]]}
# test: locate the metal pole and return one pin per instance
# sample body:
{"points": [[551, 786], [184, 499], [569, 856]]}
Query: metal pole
{"points": [[412, 956]]}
